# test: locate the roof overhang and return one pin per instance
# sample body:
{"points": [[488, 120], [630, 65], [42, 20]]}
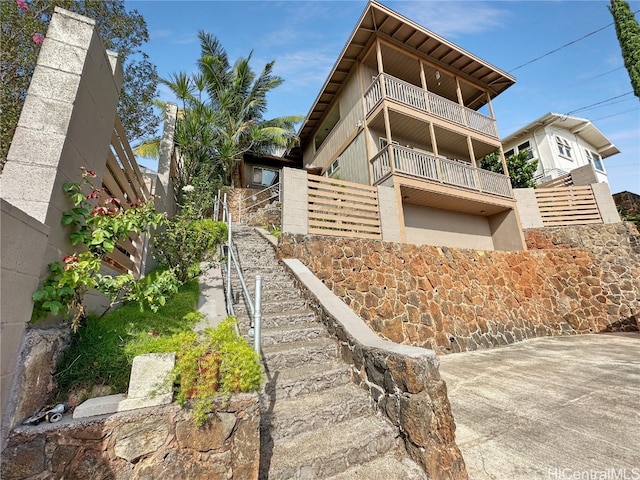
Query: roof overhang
{"points": [[581, 127], [380, 20]]}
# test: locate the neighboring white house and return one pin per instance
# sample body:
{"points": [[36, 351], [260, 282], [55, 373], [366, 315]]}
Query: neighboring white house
{"points": [[561, 143]]}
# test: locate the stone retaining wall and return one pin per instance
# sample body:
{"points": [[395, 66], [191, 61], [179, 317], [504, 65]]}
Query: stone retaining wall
{"points": [[455, 300], [142, 444]]}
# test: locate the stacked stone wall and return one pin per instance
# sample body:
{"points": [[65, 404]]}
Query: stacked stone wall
{"points": [[142, 444], [573, 280]]}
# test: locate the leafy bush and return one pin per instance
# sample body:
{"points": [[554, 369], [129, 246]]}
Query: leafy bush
{"points": [[221, 361], [102, 352], [186, 241]]}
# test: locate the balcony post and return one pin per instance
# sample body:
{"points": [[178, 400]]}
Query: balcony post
{"points": [[461, 102], [423, 81]]}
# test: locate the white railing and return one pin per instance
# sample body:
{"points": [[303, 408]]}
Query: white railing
{"points": [[380, 165], [431, 167], [413, 96]]}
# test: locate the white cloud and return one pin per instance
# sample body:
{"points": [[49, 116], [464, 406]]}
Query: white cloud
{"points": [[450, 19], [633, 133]]}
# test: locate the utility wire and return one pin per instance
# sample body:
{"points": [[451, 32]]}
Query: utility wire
{"points": [[563, 46], [615, 114], [598, 103]]}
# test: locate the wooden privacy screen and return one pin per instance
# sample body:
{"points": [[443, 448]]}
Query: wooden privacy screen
{"points": [[123, 180], [344, 209], [567, 206]]}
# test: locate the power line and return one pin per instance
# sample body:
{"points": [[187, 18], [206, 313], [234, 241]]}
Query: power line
{"points": [[599, 103], [563, 46], [615, 114]]}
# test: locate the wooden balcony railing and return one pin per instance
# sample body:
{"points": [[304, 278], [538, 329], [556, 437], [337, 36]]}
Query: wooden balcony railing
{"points": [[415, 97], [397, 159]]}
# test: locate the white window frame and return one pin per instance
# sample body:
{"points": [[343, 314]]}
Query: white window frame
{"points": [[528, 148], [596, 160], [564, 148], [333, 168]]}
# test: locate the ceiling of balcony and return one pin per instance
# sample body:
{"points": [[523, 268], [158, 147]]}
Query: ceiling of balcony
{"points": [[378, 20]]}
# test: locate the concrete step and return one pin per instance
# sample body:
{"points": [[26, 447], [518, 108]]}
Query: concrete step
{"points": [[283, 283], [269, 294], [328, 451], [274, 306], [303, 379], [317, 410], [294, 333], [277, 320], [288, 355], [394, 465]]}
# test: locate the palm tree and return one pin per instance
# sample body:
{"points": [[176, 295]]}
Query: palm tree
{"points": [[224, 107]]}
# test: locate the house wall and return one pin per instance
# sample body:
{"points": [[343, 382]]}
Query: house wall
{"points": [[571, 280], [354, 166], [545, 149], [351, 115], [433, 226]]}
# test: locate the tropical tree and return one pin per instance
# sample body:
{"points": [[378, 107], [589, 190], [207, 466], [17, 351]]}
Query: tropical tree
{"points": [[222, 118], [628, 32], [521, 168], [24, 23]]}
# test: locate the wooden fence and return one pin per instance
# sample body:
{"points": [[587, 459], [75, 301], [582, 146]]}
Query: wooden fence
{"points": [[344, 209], [564, 180], [123, 180], [567, 206]]}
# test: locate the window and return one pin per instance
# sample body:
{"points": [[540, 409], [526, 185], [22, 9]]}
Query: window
{"points": [[264, 176], [596, 160], [526, 146], [333, 168], [509, 153], [564, 149]]}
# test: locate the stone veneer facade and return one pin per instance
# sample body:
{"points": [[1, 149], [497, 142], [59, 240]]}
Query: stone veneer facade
{"points": [[148, 444], [572, 280]]}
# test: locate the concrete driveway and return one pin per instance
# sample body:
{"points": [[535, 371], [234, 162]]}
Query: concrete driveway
{"points": [[549, 408]]}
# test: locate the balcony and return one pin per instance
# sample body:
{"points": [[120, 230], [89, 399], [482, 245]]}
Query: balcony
{"points": [[438, 169], [428, 102]]}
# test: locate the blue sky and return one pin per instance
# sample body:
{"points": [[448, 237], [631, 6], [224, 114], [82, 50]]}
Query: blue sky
{"points": [[305, 39]]}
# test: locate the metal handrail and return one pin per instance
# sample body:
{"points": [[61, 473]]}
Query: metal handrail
{"points": [[255, 307], [272, 191]]}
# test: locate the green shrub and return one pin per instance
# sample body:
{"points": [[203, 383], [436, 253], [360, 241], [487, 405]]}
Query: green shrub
{"points": [[221, 361], [101, 353], [186, 241]]}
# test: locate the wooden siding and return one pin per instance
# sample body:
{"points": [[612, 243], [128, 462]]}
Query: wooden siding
{"points": [[344, 209], [567, 206], [123, 180], [353, 162]]}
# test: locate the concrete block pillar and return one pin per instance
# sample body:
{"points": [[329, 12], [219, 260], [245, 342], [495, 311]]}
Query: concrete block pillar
{"points": [[164, 186], [295, 201], [528, 208], [389, 220], [66, 123], [606, 203], [585, 175]]}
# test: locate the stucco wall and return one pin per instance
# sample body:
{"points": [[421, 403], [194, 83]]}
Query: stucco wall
{"points": [[451, 300]]}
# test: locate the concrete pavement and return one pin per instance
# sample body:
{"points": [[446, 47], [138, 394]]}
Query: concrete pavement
{"points": [[550, 408]]}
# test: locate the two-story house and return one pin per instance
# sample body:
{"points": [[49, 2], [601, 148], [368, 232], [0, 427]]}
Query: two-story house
{"points": [[562, 143], [405, 108]]}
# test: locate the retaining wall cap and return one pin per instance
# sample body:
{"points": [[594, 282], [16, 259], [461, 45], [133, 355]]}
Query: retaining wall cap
{"points": [[351, 322]]}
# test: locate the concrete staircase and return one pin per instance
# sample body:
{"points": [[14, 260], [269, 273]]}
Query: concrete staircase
{"points": [[316, 424]]}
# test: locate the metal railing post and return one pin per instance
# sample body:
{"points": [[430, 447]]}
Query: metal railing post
{"points": [[229, 253], [257, 324]]}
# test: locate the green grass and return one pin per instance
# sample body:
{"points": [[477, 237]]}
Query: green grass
{"points": [[102, 351]]}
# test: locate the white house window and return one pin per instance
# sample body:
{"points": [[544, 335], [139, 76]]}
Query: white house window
{"points": [[333, 168], [509, 153], [595, 159], [526, 146], [564, 149], [264, 176]]}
